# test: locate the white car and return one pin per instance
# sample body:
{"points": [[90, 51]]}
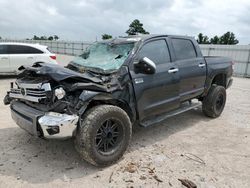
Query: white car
{"points": [[13, 55]]}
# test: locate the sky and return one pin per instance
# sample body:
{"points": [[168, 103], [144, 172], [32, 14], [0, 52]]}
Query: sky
{"points": [[86, 20]]}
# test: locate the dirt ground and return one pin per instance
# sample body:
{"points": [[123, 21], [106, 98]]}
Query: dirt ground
{"points": [[209, 152]]}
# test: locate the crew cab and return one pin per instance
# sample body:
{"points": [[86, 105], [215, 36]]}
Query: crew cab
{"points": [[13, 55], [115, 84]]}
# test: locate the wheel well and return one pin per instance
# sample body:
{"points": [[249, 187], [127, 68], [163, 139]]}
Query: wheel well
{"points": [[114, 102], [220, 79]]}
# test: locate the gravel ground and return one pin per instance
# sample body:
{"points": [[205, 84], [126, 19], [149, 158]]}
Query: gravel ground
{"points": [[209, 152]]}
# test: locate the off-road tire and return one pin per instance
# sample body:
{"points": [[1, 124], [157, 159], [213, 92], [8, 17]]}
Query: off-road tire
{"points": [[210, 102], [85, 140]]}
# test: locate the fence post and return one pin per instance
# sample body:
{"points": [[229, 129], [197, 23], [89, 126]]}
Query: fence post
{"points": [[208, 53], [64, 47], [57, 50], [210, 49], [247, 64]]}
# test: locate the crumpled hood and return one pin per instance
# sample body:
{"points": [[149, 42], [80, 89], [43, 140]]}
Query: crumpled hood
{"points": [[57, 72]]}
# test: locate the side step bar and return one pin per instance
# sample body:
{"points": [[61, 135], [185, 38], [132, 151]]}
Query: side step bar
{"points": [[183, 108]]}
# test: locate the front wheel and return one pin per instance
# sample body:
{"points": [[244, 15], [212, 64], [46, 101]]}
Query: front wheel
{"points": [[214, 103], [104, 135]]}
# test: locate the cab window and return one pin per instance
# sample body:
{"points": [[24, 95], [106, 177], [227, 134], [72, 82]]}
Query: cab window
{"points": [[184, 49], [157, 51]]}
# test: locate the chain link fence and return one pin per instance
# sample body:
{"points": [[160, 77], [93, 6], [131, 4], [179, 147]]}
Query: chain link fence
{"points": [[239, 53], [59, 47]]}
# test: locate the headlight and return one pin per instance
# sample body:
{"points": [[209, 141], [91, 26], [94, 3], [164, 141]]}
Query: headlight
{"points": [[60, 93]]}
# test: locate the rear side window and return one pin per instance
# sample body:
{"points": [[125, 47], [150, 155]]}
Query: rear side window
{"points": [[184, 49], [48, 49], [18, 49], [156, 50], [3, 49]]}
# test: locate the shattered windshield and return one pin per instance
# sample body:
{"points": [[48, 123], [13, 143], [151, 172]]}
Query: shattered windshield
{"points": [[104, 56]]}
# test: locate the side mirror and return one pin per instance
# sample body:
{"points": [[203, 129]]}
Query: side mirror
{"points": [[145, 66]]}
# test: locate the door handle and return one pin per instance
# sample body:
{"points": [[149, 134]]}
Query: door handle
{"points": [[202, 65], [30, 57], [173, 70]]}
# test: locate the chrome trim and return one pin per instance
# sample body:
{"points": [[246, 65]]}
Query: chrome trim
{"points": [[30, 86], [64, 123], [26, 97], [202, 65], [149, 61], [173, 70], [46, 87], [30, 92]]}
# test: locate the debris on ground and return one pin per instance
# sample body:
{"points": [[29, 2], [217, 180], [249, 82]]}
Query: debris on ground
{"points": [[69, 168], [170, 184], [194, 158], [187, 183], [110, 177], [157, 178], [131, 167], [150, 170], [143, 177], [129, 181]]}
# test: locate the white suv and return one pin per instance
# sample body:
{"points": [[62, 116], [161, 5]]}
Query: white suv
{"points": [[13, 55]]}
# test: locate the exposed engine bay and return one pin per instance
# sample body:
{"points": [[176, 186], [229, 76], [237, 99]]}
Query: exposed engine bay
{"points": [[52, 88], [43, 88]]}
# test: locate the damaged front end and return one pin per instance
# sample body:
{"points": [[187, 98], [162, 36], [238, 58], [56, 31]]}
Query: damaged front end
{"points": [[48, 100]]}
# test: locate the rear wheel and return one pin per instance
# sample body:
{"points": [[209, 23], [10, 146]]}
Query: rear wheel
{"points": [[104, 135], [214, 103]]}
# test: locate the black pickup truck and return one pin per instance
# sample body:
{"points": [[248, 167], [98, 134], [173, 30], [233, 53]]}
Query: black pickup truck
{"points": [[115, 84]]}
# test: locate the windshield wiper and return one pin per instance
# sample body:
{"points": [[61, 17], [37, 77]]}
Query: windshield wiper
{"points": [[119, 56], [72, 66], [81, 69], [91, 70]]}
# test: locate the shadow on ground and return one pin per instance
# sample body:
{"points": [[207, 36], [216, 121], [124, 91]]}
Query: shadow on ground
{"points": [[40, 161]]}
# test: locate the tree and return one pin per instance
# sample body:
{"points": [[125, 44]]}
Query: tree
{"points": [[135, 28], [36, 37], [43, 38], [0, 38], [106, 36], [228, 38], [50, 38], [215, 40], [202, 39], [56, 37]]}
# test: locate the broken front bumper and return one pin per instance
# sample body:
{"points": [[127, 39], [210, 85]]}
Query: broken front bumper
{"points": [[43, 124]]}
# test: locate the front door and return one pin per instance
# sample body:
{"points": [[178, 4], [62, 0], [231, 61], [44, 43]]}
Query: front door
{"points": [[159, 92]]}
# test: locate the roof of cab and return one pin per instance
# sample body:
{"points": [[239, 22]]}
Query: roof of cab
{"points": [[136, 38]]}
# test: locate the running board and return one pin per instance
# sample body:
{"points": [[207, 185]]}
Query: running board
{"points": [[183, 108]]}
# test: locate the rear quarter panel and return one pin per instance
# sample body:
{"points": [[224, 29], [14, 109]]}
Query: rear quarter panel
{"points": [[216, 66]]}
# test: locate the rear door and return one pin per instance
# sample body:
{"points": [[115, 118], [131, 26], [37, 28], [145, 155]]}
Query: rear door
{"points": [[4, 59], [192, 68], [22, 55], [159, 92]]}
